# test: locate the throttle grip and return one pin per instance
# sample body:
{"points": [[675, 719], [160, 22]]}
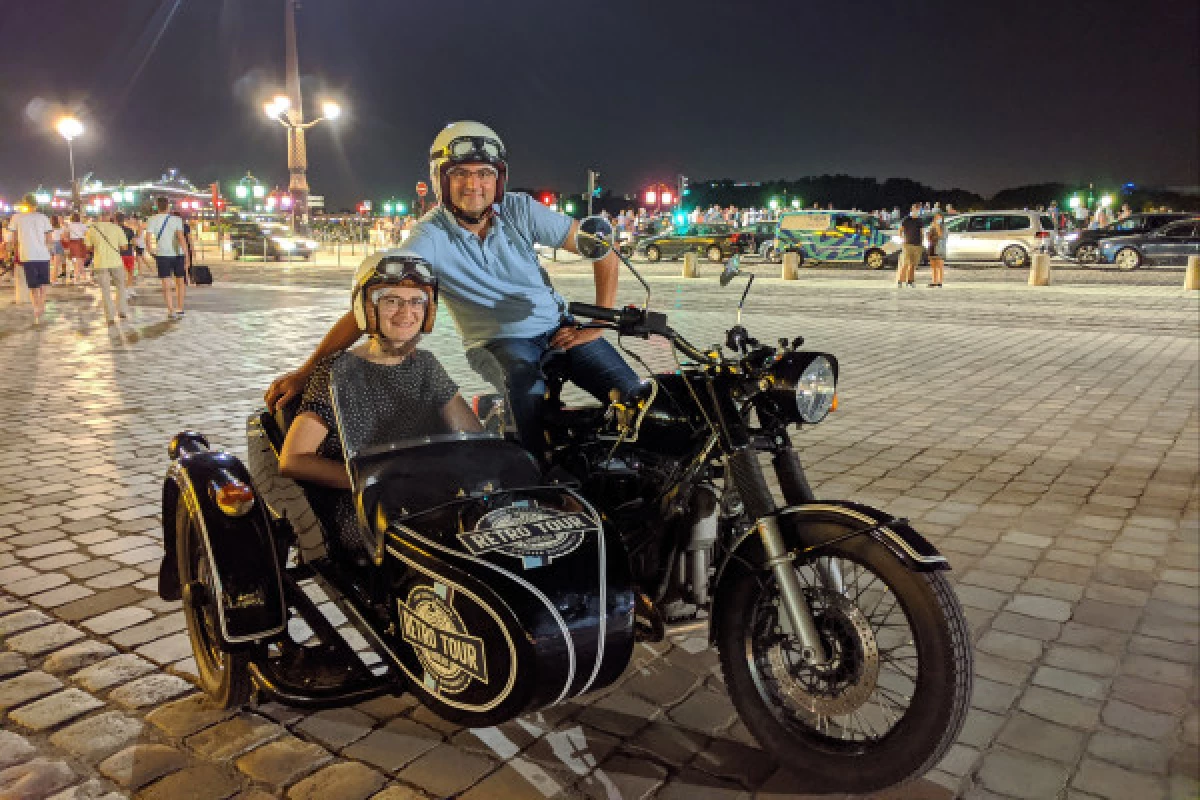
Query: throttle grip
{"points": [[595, 312]]}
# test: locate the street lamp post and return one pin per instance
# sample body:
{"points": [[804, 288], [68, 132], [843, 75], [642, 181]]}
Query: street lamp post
{"points": [[69, 128]]}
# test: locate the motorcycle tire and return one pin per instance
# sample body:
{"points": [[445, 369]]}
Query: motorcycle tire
{"points": [[936, 710], [223, 675]]}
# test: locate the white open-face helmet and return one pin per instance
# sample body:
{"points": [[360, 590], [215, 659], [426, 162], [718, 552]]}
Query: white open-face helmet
{"points": [[381, 270], [466, 142]]}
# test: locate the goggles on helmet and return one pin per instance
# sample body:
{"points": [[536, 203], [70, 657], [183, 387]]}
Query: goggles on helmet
{"points": [[405, 269], [472, 148]]}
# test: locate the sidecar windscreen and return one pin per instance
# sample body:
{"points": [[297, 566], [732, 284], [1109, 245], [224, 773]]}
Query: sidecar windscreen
{"points": [[408, 477]]}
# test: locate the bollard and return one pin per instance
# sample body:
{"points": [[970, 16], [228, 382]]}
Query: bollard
{"points": [[791, 266], [689, 265], [1039, 270], [1191, 278], [19, 284]]}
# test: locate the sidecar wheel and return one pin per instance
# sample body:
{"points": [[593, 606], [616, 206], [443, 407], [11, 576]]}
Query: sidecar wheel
{"points": [[224, 675], [895, 693]]}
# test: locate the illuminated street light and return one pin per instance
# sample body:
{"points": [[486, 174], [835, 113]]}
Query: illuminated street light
{"points": [[1106, 200], [69, 128], [331, 110], [241, 191]]}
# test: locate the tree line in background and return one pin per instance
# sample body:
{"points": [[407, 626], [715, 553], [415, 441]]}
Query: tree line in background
{"points": [[869, 194]]}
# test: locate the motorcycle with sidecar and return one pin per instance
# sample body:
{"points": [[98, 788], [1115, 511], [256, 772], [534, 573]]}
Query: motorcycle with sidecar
{"points": [[493, 585]]}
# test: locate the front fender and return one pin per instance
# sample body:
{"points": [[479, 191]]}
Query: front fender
{"points": [[809, 525], [241, 549]]}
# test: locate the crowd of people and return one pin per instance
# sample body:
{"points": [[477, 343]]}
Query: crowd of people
{"points": [[108, 251]]}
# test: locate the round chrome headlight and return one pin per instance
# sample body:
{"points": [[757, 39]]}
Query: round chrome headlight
{"points": [[815, 389]]}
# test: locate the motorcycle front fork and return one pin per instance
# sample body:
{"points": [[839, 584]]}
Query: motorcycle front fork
{"points": [[747, 474]]}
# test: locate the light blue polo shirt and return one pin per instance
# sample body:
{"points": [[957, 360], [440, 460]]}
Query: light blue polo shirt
{"points": [[494, 288]]}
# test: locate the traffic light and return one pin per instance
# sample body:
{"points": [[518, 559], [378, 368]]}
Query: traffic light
{"points": [[547, 198], [569, 207], [401, 208], [667, 198], [651, 197], [684, 189], [594, 187]]}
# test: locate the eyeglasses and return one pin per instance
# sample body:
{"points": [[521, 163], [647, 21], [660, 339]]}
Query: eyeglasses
{"points": [[392, 303], [483, 174]]}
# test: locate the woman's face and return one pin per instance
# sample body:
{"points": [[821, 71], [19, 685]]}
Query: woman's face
{"points": [[401, 312]]}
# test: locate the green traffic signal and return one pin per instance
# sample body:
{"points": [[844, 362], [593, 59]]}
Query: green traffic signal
{"points": [[569, 207]]}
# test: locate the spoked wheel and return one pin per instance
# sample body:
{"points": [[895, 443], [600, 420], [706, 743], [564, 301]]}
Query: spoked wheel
{"points": [[714, 254], [892, 697], [1014, 256], [224, 675], [875, 259], [653, 253], [1088, 254], [1128, 258]]}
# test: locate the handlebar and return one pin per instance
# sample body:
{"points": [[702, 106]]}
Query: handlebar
{"points": [[634, 321], [595, 312]]}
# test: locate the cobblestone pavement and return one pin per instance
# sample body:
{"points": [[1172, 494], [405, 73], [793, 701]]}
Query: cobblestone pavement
{"points": [[1045, 439]]}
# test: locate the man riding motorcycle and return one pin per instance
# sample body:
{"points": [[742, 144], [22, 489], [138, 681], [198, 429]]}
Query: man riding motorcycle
{"points": [[480, 240]]}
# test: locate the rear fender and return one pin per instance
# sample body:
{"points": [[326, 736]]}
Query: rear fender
{"points": [[248, 583], [810, 525]]}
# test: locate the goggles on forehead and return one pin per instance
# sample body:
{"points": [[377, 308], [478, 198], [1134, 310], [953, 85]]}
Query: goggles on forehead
{"points": [[405, 268], [467, 148]]}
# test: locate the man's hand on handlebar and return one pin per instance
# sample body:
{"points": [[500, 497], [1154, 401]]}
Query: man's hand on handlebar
{"points": [[284, 388]]}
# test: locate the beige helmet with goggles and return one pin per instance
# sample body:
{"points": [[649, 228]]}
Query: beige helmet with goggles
{"points": [[382, 271], [465, 142]]}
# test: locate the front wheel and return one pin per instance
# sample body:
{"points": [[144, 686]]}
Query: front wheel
{"points": [[223, 675], [1128, 258], [1014, 256], [892, 698]]}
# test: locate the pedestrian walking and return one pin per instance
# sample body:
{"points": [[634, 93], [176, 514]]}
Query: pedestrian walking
{"points": [[58, 255], [31, 231], [170, 257], [936, 236], [73, 232], [910, 254], [143, 261], [105, 240], [127, 254]]}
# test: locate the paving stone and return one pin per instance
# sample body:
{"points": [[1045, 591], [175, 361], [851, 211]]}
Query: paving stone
{"points": [[168, 649], [11, 664], [619, 713], [282, 761], [705, 711], [388, 705], [94, 789], [182, 718], [1118, 783], [80, 654], [662, 684], [344, 781], [1064, 709], [399, 791], [632, 778], [445, 771], [1081, 660], [204, 782], [34, 780], [1022, 776], [54, 710], [112, 671], [60, 596], [233, 737], [394, 746], [150, 690], [1070, 682], [338, 727], [993, 696], [27, 686], [140, 764], [99, 603], [1010, 645], [1040, 607], [21, 620], [1106, 615], [723, 758], [691, 784], [667, 743], [1131, 752], [1148, 695], [117, 619], [14, 748], [1149, 724], [98, 737], [149, 631], [44, 639], [1159, 670], [36, 584], [1042, 738]]}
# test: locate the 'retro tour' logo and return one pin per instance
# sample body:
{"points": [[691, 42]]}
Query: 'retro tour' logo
{"points": [[451, 656], [537, 536]]}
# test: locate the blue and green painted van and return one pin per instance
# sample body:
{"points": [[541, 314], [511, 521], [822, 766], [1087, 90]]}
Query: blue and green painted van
{"points": [[820, 235]]}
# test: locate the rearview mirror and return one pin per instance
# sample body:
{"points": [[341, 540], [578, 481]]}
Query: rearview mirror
{"points": [[594, 239], [732, 270]]}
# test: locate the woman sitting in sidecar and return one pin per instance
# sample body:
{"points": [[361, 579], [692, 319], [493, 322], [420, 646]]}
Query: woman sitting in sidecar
{"points": [[474, 581]]}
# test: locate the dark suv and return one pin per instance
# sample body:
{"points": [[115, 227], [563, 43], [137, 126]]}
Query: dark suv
{"points": [[1084, 245]]}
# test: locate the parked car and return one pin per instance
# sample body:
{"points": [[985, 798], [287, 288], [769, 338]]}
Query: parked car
{"points": [[267, 241], [1084, 245], [714, 240], [1168, 245], [756, 238], [833, 236], [1010, 237]]}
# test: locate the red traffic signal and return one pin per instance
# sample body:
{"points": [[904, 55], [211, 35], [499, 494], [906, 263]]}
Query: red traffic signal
{"points": [[547, 199]]}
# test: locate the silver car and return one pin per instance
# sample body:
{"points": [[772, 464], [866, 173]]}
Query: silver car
{"points": [[1010, 237]]}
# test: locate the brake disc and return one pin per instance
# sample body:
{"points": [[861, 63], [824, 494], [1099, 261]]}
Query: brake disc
{"points": [[844, 684]]}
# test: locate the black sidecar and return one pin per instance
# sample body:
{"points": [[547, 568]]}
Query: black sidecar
{"points": [[483, 588]]}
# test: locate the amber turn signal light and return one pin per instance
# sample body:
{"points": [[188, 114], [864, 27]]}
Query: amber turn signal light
{"points": [[234, 498]]}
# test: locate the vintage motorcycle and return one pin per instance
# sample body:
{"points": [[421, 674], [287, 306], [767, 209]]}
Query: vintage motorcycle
{"points": [[494, 585]]}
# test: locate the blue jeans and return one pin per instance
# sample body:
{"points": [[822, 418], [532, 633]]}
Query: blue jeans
{"points": [[595, 367]]}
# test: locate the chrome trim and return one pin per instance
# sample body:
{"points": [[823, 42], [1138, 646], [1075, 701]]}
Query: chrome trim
{"points": [[892, 535]]}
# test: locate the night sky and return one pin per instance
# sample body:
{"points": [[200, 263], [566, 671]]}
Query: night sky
{"points": [[978, 95]]}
